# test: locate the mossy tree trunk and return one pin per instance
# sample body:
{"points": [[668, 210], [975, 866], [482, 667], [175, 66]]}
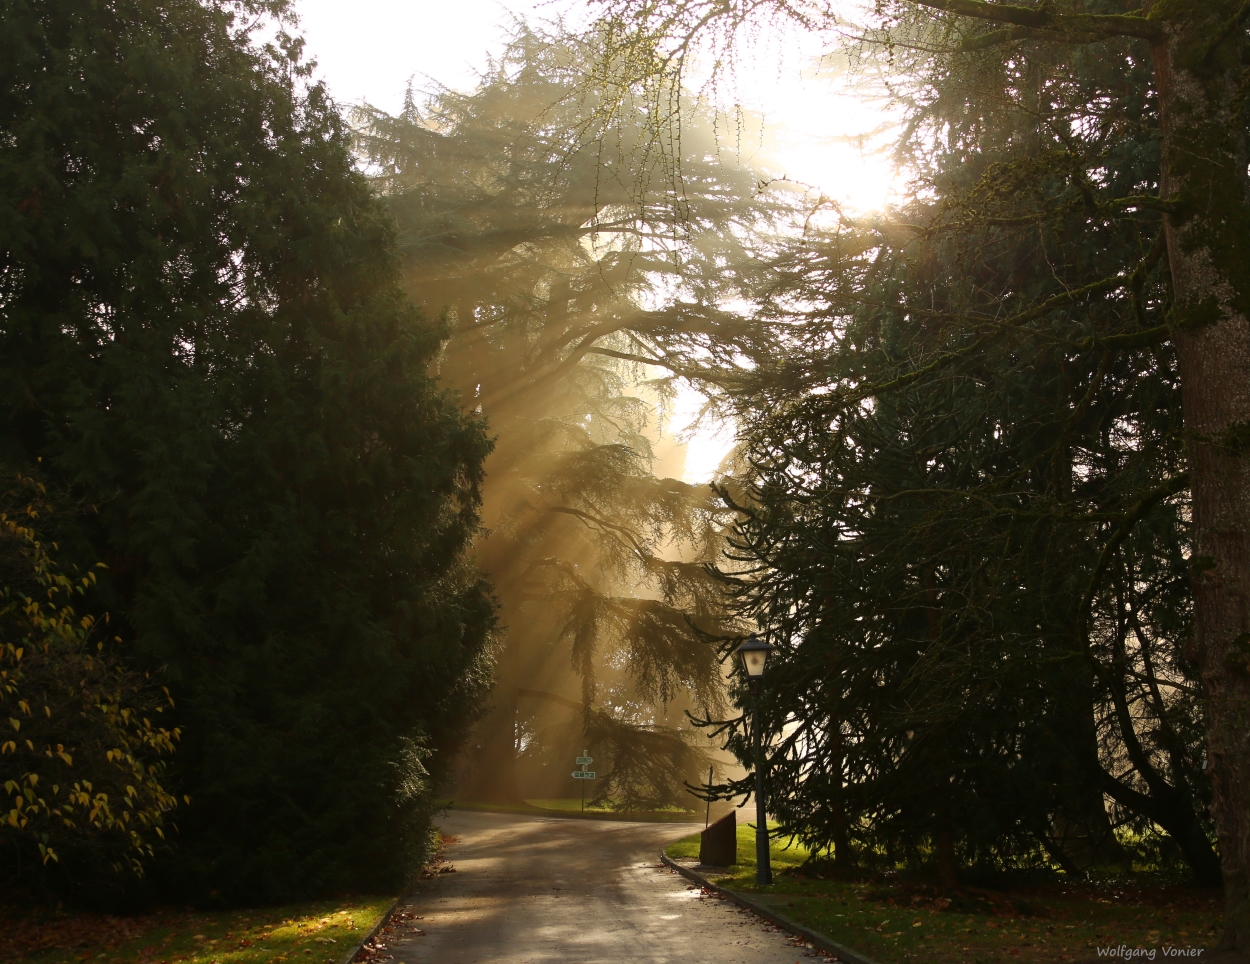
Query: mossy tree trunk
{"points": [[1198, 67]]}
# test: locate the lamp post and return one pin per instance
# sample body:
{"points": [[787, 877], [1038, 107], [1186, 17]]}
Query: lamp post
{"points": [[754, 655]]}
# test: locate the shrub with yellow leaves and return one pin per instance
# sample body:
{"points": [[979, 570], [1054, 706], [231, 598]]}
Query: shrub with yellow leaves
{"points": [[80, 753]]}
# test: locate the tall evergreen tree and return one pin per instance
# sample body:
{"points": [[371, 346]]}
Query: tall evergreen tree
{"points": [[958, 487], [1194, 58], [204, 338], [545, 230], [964, 669]]}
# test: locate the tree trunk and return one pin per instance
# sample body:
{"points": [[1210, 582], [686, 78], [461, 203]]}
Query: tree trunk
{"points": [[1197, 70], [944, 837], [1173, 811], [492, 776], [947, 864], [842, 855], [1080, 827]]}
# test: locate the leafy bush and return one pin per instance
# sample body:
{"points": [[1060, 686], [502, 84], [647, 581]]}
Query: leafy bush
{"points": [[82, 763]]}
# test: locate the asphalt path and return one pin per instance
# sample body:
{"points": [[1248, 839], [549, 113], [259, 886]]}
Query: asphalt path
{"points": [[536, 890]]}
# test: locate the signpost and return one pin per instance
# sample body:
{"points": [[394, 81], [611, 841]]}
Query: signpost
{"points": [[584, 761]]}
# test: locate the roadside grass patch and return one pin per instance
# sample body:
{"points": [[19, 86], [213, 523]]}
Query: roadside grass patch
{"points": [[572, 807], [896, 921], [319, 932], [571, 803], [575, 804], [784, 854]]}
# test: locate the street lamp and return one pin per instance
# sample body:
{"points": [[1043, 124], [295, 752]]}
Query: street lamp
{"points": [[754, 655]]}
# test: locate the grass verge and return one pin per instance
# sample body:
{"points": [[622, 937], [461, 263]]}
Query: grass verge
{"points": [[895, 921], [572, 808], [569, 804], [313, 933]]}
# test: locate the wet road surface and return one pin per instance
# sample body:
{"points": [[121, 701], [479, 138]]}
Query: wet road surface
{"points": [[534, 890]]}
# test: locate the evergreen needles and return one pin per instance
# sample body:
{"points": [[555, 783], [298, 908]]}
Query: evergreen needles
{"points": [[203, 337]]}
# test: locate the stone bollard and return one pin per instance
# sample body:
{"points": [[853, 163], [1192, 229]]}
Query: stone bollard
{"points": [[718, 844]]}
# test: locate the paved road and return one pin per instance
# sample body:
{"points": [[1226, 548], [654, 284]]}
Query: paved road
{"points": [[533, 890]]}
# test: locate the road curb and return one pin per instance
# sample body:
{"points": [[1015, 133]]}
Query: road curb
{"points": [[380, 924], [386, 915], [815, 938]]}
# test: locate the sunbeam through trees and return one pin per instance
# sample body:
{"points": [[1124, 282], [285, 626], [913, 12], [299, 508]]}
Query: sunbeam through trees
{"points": [[341, 477]]}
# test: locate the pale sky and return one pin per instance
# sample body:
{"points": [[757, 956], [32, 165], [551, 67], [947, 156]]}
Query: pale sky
{"points": [[368, 50]]}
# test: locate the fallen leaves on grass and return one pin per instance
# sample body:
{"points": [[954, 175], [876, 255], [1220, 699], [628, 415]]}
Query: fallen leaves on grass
{"points": [[27, 936], [316, 933]]}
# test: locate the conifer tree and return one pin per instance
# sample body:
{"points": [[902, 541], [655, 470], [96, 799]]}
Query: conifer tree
{"points": [[203, 337], [544, 229], [1084, 141], [964, 670]]}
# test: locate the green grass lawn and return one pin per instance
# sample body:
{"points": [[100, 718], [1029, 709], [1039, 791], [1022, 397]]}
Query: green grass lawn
{"points": [[783, 854], [896, 923], [314, 933], [570, 804]]}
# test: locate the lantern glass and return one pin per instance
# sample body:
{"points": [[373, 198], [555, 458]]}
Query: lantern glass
{"points": [[754, 652]]}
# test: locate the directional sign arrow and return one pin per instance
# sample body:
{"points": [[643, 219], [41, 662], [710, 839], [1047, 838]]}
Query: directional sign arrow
{"points": [[583, 774]]}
